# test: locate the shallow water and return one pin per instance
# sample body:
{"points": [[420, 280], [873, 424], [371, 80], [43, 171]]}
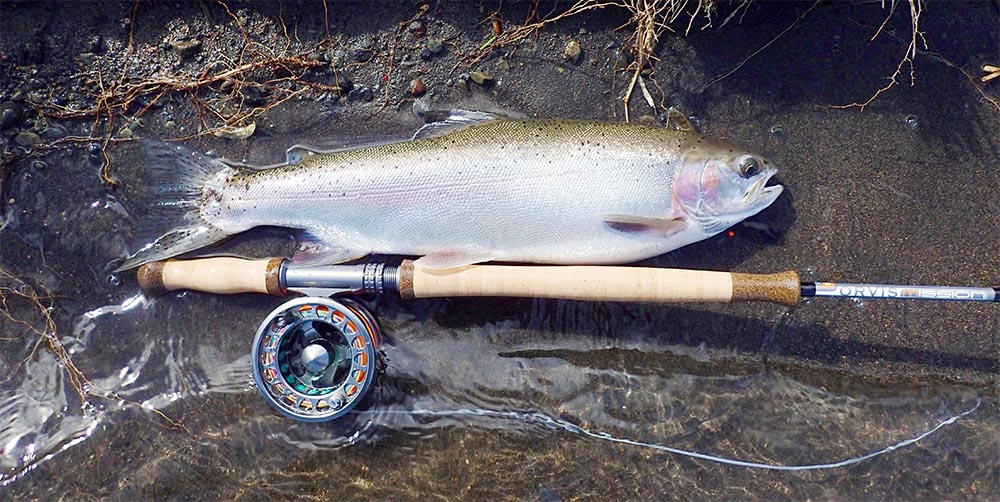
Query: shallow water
{"points": [[519, 398]]}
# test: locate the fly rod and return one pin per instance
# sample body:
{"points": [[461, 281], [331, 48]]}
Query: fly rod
{"points": [[313, 357], [276, 276]]}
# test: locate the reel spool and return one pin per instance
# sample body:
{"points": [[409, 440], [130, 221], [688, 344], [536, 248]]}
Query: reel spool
{"points": [[314, 358]]}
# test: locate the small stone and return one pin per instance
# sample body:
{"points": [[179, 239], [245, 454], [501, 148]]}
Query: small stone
{"points": [[503, 65], [97, 44], [435, 45], [573, 51], [418, 88], [53, 133], [646, 72], [417, 29], [426, 54], [345, 84], [186, 48], [362, 55], [648, 120], [27, 138], [88, 58], [481, 78], [11, 114], [361, 93], [170, 124]]}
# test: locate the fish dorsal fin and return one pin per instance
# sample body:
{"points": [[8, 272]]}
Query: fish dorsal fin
{"points": [[678, 121], [642, 225], [455, 121]]}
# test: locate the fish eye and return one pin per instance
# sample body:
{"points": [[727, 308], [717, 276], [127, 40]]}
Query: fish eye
{"points": [[749, 167]]}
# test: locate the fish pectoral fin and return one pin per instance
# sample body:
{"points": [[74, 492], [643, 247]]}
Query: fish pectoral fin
{"points": [[455, 259], [456, 120], [314, 250], [642, 225]]}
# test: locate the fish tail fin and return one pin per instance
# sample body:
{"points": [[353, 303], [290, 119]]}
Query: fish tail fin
{"points": [[178, 187]]}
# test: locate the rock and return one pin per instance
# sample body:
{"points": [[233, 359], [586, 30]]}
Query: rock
{"points": [[573, 51], [97, 44], [418, 88], [186, 48], [417, 29], [435, 45], [27, 138], [11, 114], [426, 54], [362, 55], [361, 93], [648, 120], [481, 78], [53, 133], [345, 84], [503, 65]]}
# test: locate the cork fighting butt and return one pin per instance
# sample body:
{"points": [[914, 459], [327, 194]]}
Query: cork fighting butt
{"points": [[213, 275]]}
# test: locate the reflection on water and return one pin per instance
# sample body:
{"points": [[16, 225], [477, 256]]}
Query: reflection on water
{"points": [[506, 377]]}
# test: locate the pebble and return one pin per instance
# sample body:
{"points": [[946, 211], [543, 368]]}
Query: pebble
{"points": [[27, 138], [418, 88], [503, 65], [88, 58], [573, 51], [481, 78], [362, 55], [417, 29], [53, 133], [11, 114], [361, 93], [426, 54], [912, 122], [434, 45], [186, 48], [345, 84], [170, 124]]}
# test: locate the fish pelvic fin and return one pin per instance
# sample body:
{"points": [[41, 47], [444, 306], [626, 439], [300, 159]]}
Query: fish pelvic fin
{"points": [[180, 190]]}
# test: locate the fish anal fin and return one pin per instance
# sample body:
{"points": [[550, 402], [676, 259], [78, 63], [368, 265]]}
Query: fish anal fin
{"points": [[446, 260], [642, 225]]}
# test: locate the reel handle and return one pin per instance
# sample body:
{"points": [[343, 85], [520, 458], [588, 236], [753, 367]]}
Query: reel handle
{"points": [[589, 283]]}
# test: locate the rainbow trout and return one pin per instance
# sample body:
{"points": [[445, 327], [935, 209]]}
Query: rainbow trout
{"points": [[472, 188]]}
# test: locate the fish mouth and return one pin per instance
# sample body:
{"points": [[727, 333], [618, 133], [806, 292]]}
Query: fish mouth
{"points": [[759, 193]]}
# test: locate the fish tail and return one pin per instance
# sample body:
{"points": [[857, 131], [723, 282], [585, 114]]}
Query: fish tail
{"points": [[178, 188]]}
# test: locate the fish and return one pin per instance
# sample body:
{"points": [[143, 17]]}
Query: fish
{"points": [[471, 188]]}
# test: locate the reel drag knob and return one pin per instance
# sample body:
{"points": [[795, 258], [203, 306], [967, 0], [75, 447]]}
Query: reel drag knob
{"points": [[314, 358]]}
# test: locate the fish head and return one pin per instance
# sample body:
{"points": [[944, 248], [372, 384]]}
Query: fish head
{"points": [[720, 184]]}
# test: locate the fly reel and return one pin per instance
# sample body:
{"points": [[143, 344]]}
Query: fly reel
{"points": [[314, 358]]}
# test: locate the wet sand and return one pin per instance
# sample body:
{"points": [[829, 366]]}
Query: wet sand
{"points": [[904, 191]]}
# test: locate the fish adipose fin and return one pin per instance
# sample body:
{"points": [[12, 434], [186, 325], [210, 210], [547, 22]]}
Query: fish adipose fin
{"points": [[177, 182], [317, 250], [641, 225], [442, 261], [455, 121]]}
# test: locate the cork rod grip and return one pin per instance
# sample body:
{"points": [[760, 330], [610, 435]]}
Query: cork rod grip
{"points": [[593, 283], [212, 275]]}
